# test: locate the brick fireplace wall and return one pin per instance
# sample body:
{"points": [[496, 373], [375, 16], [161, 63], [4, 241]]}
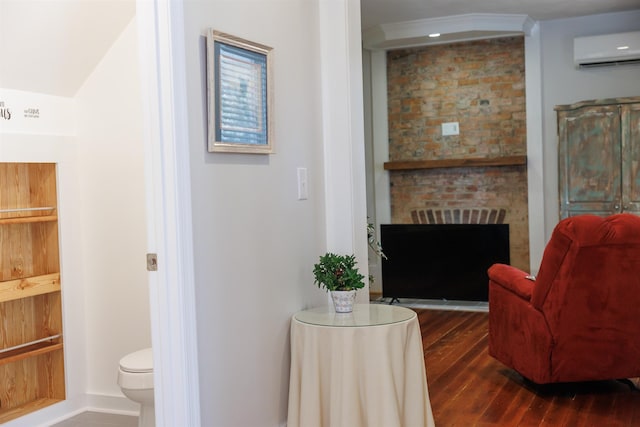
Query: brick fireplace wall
{"points": [[479, 84]]}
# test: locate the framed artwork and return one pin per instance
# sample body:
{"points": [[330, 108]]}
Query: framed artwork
{"points": [[240, 95]]}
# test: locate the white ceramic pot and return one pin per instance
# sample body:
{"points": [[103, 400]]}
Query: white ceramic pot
{"points": [[343, 300]]}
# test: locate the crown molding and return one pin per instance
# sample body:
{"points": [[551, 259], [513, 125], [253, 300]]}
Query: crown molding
{"points": [[452, 29]]}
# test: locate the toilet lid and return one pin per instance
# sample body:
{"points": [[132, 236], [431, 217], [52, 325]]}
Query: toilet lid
{"points": [[139, 361]]}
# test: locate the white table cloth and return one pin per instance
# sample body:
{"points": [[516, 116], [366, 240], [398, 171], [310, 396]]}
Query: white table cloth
{"points": [[363, 369]]}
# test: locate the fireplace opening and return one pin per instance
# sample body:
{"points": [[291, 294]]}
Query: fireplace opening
{"points": [[441, 261]]}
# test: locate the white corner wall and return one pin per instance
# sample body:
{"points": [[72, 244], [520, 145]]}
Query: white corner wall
{"points": [[562, 83], [113, 217], [254, 242]]}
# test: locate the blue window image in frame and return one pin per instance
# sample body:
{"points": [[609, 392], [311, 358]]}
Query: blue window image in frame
{"points": [[239, 95]]}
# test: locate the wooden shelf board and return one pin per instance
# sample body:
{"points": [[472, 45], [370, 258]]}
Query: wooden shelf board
{"points": [[29, 351], [28, 219], [456, 163], [29, 287], [18, 411]]}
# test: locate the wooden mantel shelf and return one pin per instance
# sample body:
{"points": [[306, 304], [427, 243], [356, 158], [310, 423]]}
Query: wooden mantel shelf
{"points": [[456, 163]]}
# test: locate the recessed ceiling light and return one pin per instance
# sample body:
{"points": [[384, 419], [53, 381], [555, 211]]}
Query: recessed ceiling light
{"points": [[622, 47], [433, 35]]}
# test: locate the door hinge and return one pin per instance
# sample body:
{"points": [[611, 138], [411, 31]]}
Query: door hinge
{"points": [[152, 262]]}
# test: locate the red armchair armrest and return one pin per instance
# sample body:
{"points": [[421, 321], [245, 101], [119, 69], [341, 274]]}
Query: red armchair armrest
{"points": [[518, 332], [512, 279]]}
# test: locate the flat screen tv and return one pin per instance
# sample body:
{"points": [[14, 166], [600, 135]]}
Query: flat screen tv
{"points": [[441, 261]]}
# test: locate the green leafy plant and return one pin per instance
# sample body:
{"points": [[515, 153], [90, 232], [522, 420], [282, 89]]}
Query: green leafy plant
{"points": [[337, 273], [374, 245], [373, 242]]}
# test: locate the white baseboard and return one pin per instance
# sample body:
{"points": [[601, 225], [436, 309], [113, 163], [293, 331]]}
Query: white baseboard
{"points": [[112, 404], [73, 406]]}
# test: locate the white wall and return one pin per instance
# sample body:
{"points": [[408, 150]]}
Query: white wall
{"points": [[35, 113], [562, 83], [254, 242], [113, 217]]}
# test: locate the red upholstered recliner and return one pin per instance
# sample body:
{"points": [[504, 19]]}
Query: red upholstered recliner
{"points": [[579, 320]]}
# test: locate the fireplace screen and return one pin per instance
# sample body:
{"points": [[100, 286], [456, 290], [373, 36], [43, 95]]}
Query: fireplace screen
{"points": [[443, 261]]}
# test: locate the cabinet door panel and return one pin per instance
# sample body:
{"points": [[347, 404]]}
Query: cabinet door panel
{"points": [[631, 158], [589, 160]]}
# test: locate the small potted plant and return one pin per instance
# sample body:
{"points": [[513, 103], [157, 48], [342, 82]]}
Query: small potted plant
{"points": [[339, 275]]}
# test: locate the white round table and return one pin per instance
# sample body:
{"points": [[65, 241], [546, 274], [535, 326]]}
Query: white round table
{"points": [[361, 369]]}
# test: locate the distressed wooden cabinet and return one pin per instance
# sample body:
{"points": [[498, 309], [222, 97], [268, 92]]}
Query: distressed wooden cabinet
{"points": [[598, 157], [31, 345]]}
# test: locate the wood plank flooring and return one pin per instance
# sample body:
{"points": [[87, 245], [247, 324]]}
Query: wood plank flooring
{"points": [[467, 387]]}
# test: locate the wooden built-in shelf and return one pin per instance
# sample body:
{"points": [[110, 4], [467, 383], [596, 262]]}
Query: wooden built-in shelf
{"points": [[29, 351], [32, 357], [29, 287], [456, 163], [26, 408]]}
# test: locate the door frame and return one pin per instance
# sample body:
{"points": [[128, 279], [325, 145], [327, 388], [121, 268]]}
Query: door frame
{"points": [[166, 141]]}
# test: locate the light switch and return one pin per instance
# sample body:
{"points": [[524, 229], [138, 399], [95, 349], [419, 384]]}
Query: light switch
{"points": [[303, 191], [451, 128]]}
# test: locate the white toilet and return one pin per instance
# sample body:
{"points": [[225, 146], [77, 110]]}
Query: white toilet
{"points": [[135, 378]]}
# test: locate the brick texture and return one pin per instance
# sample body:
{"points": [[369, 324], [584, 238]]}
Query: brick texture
{"points": [[479, 84]]}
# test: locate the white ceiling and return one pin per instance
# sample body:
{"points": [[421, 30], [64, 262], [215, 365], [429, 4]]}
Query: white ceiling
{"points": [[52, 46], [376, 12]]}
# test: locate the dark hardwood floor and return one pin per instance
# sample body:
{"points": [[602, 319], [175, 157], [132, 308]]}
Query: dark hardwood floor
{"points": [[467, 387]]}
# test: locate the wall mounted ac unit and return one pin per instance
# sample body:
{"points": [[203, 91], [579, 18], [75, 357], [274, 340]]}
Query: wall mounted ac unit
{"points": [[609, 49]]}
